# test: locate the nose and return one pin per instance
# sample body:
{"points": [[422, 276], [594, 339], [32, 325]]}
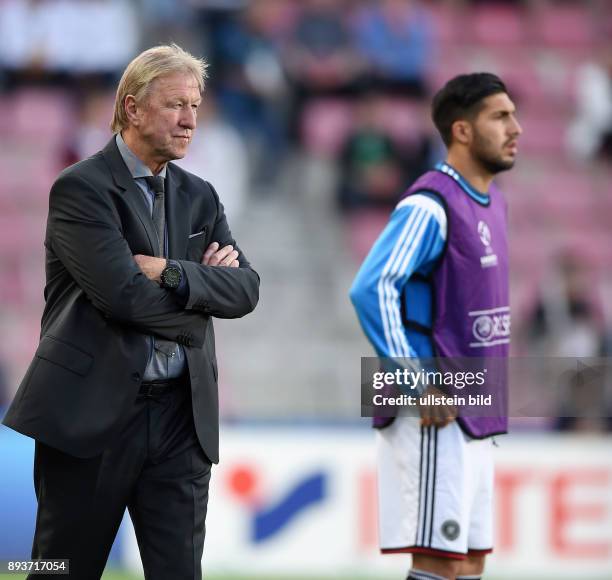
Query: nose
{"points": [[188, 119], [516, 128]]}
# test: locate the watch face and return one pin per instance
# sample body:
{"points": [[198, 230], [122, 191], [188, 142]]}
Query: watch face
{"points": [[171, 277]]}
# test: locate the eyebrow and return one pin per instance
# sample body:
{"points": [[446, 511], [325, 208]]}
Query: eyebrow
{"points": [[184, 100]]}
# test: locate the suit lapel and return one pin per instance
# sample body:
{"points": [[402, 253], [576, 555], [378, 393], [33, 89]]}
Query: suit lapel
{"points": [[133, 195], [177, 215]]}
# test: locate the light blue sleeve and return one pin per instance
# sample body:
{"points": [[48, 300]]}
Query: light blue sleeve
{"points": [[414, 237]]}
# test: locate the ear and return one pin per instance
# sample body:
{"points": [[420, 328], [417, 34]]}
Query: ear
{"points": [[462, 132], [132, 110]]}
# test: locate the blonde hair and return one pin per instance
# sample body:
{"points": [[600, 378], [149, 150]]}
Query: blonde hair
{"points": [[145, 68]]}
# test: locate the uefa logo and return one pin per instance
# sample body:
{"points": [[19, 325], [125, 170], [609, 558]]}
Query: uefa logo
{"points": [[483, 328], [484, 233]]}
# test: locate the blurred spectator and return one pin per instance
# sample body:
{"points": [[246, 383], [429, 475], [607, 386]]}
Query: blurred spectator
{"points": [[167, 21], [92, 131], [66, 40], [566, 319], [590, 134], [566, 323], [370, 162], [251, 83], [394, 37], [218, 154], [212, 16], [585, 403], [389, 146], [319, 57]]}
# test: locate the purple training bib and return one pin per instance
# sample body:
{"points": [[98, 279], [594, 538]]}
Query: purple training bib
{"points": [[471, 316]]}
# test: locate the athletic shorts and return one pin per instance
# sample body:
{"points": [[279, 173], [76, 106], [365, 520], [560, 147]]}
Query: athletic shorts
{"points": [[435, 490]]}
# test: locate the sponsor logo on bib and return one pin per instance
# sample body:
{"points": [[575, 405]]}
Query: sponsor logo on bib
{"points": [[490, 327]]}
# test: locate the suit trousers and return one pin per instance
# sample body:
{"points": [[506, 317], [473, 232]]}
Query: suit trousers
{"points": [[156, 468]]}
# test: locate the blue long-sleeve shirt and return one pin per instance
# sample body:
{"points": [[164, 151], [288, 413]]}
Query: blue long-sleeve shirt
{"points": [[386, 291], [384, 287]]}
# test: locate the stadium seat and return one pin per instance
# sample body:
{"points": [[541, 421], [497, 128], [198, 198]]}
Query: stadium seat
{"points": [[445, 24], [325, 126], [363, 228], [567, 200], [528, 249], [405, 119], [452, 64], [44, 115], [568, 26], [521, 75], [495, 25], [21, 234], [542, 135], [26, 179]]}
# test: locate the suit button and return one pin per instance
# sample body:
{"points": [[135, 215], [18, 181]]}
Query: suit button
{"points": [[136, 377]]}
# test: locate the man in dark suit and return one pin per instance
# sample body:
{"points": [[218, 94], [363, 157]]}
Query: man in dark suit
{"points": [[121, 396]]}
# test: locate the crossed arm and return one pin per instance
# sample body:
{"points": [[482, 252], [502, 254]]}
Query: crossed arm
{"points": [[84, 232], [152, 267]]}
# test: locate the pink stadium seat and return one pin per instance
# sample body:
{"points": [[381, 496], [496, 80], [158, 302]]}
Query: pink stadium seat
{"points": [[542, 135], [520, 74], [6, 115], [363, 228], [21, 235], [325, 126], [593, 247], [603, 212], [522, 209], [44, 115], [564, 26], [497, 25], [567, 200], [26, 179], [405, 119], [447, 66], [445, 24], [527, 253]]}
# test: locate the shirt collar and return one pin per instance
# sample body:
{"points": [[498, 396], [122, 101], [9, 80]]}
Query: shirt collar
{"points": [[136, 167], [449, 170]]}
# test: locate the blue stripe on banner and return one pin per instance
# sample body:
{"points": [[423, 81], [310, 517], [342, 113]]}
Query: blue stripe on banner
{"points": [[271, 520]]}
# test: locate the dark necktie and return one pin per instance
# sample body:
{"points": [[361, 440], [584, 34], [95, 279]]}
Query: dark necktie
{"points": [[156, 184]]}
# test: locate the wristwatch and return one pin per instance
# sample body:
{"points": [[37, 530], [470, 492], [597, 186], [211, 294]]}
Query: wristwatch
{"points": [[171, 275]]}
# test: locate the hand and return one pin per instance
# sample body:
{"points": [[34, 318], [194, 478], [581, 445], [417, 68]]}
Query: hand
{"points": [[436, 415], [226, 256], [150, 266]]}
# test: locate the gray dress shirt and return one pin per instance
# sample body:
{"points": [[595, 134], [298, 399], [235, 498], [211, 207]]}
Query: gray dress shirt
{"points": [[159, 366]]}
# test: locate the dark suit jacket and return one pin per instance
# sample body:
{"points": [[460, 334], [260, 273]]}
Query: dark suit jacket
{"points": [[93, 350]]}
